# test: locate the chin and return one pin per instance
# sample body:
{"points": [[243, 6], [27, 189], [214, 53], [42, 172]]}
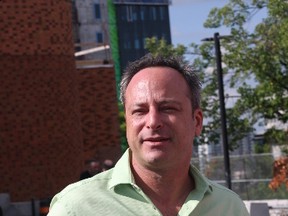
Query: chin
{"points": [[156, 157]]}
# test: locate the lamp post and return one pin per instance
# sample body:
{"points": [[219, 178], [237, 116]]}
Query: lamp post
{"points": [[216, 40]]}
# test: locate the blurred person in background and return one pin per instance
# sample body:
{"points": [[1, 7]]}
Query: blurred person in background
{"points": [[107, 164], [93, 167]]}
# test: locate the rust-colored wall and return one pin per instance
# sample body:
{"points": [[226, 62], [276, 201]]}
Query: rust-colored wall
{"points": [[99, 113], [41, 139]]}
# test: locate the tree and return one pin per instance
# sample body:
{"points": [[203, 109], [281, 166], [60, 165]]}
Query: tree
{"points": [[157, 47], [260, 55], [123, 140], [263, 56]]}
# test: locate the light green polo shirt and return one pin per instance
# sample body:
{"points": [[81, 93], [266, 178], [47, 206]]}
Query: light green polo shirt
{"points": [[114, 193]]}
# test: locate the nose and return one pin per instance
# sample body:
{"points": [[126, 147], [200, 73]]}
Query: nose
{"points": [[154, 120]]}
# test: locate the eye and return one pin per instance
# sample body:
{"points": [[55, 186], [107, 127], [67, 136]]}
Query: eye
{"points": [[169, 109], [139, 111]]}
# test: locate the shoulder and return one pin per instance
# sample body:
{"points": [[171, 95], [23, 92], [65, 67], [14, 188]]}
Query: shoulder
{"points": [[226, 199], [223, 192], [84, 189], [222, 189], [74, 197]]}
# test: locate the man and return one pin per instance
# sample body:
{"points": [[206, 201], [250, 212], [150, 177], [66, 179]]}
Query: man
{"points": [[161, 97], [93, 168]]}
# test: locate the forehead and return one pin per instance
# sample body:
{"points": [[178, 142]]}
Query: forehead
{"points": [[157, 80], [156, 74]]}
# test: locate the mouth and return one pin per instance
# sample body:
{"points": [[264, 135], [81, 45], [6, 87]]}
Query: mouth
{"points": [[156, 140]]}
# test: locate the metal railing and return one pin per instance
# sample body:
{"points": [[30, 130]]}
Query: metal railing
{"points": [[251, 175]]}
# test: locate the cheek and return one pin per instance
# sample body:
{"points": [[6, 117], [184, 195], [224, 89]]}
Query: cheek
{"points": [[133, 133], [186, 128], [133, 125]]}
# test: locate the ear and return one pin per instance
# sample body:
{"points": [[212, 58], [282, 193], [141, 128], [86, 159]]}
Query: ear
{"points": [[198, 120]]}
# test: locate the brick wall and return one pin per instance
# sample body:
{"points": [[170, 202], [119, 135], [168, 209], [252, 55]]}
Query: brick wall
{"points": [[41, 134], [99, 113]]}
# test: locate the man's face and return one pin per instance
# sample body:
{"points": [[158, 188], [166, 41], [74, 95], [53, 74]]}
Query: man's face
{"points": [[160, 122]]}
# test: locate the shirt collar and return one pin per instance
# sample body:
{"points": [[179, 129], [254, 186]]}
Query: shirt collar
{"points": [[202, 184], [122, 174]]}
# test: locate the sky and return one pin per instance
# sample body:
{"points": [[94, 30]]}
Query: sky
{"points": [[186, 22], [188, 16]]}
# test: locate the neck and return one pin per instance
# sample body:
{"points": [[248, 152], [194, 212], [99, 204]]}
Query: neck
{"points": [[167, 189]]}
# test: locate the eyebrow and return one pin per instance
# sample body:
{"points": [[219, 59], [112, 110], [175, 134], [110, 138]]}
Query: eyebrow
{"points": [[164, 102]]}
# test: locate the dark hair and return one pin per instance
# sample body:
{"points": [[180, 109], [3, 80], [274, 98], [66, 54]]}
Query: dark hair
{"points": [[175, 62]]}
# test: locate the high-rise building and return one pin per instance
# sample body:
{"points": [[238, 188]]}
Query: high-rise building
{"points": [[122, 25], [138, 20]]}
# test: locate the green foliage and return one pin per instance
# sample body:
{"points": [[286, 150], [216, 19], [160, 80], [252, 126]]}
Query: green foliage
{"points": [[124, 143], [156, 47], [262, 148], [260, 55]]}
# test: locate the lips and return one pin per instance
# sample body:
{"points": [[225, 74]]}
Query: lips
{"points": [[156, 139]]}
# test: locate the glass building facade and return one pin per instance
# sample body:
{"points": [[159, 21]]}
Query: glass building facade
{"points": [[138, 20]]}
